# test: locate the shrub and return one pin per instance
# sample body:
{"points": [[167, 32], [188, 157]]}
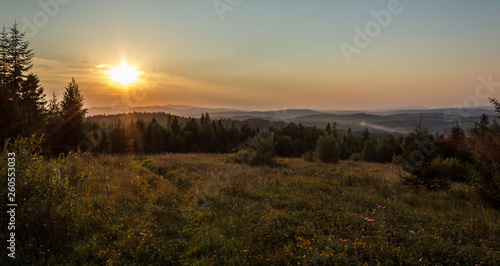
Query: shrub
{"points": [[327, 149], [356, 157], [308, 156], [44, 190], [258, 150], [449, 168]]}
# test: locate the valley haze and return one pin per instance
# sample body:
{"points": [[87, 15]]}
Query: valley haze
{"points": [[438, 120]]}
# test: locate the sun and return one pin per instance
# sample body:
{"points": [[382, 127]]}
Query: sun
{"points": [[124, 74]]}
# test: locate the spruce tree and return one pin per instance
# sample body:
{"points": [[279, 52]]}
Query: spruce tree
{"points": [[32, 105], [15, 61], [72, 116], [18, 58]]}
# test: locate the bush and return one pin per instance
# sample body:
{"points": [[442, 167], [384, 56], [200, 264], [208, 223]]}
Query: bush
{"points": [[308, 156], [327, 149], [450, 168], [356, 157], [43, 191], [258, 150]]}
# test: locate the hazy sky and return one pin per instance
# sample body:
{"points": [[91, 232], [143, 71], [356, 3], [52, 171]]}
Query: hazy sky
{"points": [[265, 54]]}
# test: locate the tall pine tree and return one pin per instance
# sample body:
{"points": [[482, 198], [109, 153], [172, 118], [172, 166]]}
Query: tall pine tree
{"points": [[19, 58], [72, 118], [32, 106], [15, 62]]}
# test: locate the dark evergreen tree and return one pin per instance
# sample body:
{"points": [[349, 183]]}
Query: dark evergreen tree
{"points": [[118, 135], [15, 61], [387, 147], [175, 126], [369, 152], [456, 143], [418, 150], [72, 118], [18, 58], [53, 125], [328, 128], [327, 149], [483, 124], [335, 131], [32, 106]]}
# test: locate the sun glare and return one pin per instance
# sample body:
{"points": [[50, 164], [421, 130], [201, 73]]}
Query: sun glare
{"points": [[124, 74]]}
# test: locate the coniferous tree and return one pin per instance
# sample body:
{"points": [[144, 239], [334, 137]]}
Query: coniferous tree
{"points": [[72, 118], [118, 137], [32, 105], [175, 126], [18, 58], [484, 145], [483, 124], [328, 128], [327, 149], [369, 152], [15, 61], [456, 143], [387, 147], [53, 124], [335, 131]]}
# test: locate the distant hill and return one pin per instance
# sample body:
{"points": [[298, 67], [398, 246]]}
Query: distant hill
{"points": [[392, 120], [164, 118]]}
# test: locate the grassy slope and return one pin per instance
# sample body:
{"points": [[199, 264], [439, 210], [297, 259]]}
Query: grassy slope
{"points": [[197, 209]]}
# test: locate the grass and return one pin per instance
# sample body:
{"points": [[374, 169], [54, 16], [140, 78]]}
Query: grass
{"points": [[197, 209]]}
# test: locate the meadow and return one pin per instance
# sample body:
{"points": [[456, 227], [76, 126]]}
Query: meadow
{"points": [[200, 209]]}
